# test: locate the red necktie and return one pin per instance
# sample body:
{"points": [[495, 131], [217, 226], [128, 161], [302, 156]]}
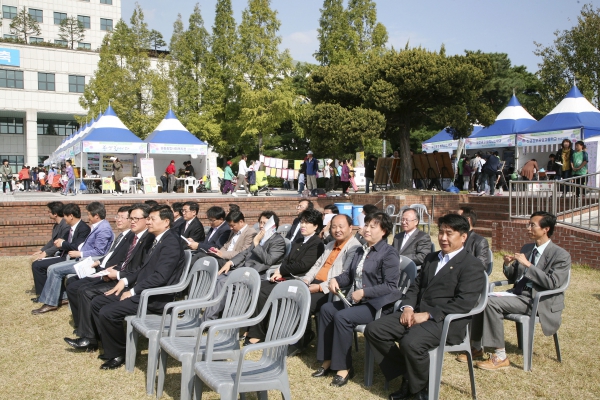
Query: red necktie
{"points": [[129, 252]]}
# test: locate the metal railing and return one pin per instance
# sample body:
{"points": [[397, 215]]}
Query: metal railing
{"points": [[571, 200]]}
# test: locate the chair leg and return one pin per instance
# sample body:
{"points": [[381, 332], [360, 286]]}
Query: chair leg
{"points": [[162, 371], [519, 327], [471, 375], [527, 345], [435, 372], [187, 377], [557, 346], [369, 365], [197, 388], [263, 395], [131, 347], [153, 350]]}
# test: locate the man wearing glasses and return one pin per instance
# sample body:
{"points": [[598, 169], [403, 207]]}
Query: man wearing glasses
{"points": [[192, 227], [219, 231], [539, 266], [125, 257], [411, 242]]}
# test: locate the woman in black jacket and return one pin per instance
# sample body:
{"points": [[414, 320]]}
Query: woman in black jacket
{"points": [[306, 249]]}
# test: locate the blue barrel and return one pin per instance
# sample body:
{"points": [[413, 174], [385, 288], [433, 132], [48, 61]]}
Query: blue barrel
{"points": [[356, 212], [345, 208]]}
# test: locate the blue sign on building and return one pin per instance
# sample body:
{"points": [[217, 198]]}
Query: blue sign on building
{"points": [[10, 57]]}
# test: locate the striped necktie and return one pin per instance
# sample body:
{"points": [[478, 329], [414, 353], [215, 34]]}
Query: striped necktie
{"points": [[129, 252]]}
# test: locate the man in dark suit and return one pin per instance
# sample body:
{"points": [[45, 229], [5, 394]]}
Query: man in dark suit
{"points": [[219, 231], [539, 266], [78, 232], [412, 242], [294, 231], [178, 220], [162, 266], [126, 258], [450, 282], [192, 227], [60, 230], [476, 245]]}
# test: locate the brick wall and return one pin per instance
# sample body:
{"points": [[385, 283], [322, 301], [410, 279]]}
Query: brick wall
{"points": [[582, 245]]}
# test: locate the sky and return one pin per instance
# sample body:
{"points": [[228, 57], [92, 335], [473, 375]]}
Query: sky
{"points": [[503, 26]]}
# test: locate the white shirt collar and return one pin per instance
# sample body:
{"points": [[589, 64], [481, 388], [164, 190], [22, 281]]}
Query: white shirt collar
{"points": [[75, 226], [441, 255], [139, 235], [306, 238], [158, 237], [407, 234], [541, 248], [94, 226], [242, 230]]}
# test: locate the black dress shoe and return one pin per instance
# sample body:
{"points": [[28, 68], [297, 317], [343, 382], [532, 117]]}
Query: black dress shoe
{"points": [[422, 395], [82, 344], [321, 372], [402, 393], [44, 309], [102, 357], [338, 381], [113, 363]]}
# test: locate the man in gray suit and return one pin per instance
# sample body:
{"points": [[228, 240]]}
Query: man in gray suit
{"points": [[541, 265], [476, 245], [411, 242]]}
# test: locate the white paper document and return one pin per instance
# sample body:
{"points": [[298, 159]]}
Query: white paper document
{"points": [[502, 294], [99, 274], [84, 268], [327, 218], [269, 229]]}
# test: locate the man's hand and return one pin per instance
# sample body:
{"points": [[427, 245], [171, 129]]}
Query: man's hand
{"points": [[407, 317], [112, 273], [125, 295], [96, 264], [508, 259], [192, 244], [276, 276], [522, 259], [217, 252], [333, 285], [38, 255], [357, 295], [117, 289], [225, 268], [58, 242], [419, 318], [313, 288], [259, 237], [74, 254]]}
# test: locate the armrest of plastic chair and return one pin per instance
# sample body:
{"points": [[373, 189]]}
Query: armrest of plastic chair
{"points": [[143, 307], [271, 271], [492, 285], [545, 293], [179, 306]]}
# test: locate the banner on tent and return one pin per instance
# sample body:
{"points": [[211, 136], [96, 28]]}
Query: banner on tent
{"points": [[490, 142], [166, 148], [547, 138], [114, 147], [447, 146]]}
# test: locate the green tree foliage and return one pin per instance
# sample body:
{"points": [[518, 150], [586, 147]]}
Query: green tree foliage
{"points": [[334, 34], [23, 25], [367, 34], [572, 57], [265, 90], [71, 30], [156, 40], [138, 93]]}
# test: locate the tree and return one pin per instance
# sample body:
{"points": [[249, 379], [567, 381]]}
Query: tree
{"points": [[23, 25], [156, 40], [333, 34], [367, 34], [71, 30], [572, 58]]}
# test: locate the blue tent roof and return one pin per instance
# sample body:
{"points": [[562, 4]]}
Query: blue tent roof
{"points": [[172, 131], [444, 135], [109, 128], [514, 118], [573, 112]]}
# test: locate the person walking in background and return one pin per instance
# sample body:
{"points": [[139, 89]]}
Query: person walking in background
{"points": [[227, 178], [241, 177], [117, 168], [579, 162], [312, 166], [370, 173], [351, 169], [70, 179], [25, 178], [345, 178], [327, 174], [41, 179], [564, 157], [302, 178], [170, 171], [6, 174], [466, 173]]}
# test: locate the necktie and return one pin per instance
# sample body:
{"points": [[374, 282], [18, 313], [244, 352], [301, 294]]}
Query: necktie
{"points": [[404, 240], [116, 242], [153, 246], [130, 252], [64, 252], [518, 288]]}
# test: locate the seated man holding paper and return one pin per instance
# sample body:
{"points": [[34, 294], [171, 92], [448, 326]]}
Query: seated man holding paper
{"points": [[217, 235], [95, 245], [124, 257], [541, 265], [267, 249], [192, 228]]}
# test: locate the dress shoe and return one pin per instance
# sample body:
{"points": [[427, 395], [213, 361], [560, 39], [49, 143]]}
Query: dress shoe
{"points": [[64, 302], [338, 381], [402, 393], [35, 299], [422, 395], [44, 309], [82, 344], [476, 354], [102, 357], [321, 372], [113, 363], [493, 363]]}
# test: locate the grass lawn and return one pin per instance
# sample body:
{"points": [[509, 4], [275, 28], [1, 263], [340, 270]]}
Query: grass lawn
{"points": [[35, 362]]}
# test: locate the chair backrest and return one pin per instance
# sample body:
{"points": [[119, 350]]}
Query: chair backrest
{"points": [[421, 209], [187, 261], [241, 290], [389, 210], [408, 273], [206, 229], [288, 246], [202, 280], [284, 229], [482, 302], [432, 247], [289, 305], [190, 181], [402, 210], [256, 227], [490, 266]]}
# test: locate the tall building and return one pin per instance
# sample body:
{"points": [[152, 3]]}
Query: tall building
{"points": [[40, 86]]}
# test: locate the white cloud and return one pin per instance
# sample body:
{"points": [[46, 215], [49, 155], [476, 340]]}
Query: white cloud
{"points": [[302, 45]]}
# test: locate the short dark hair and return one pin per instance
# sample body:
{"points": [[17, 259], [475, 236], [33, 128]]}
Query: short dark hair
{"points": [[310, 205], [5, 160], [124, 209], [312, 216], [455, 222], [268, 214], [164, 212], [96, 208], [234, 207], [177, 207], [384, 221], [56, 208], [141, 206], [470, 214], [348, 219], [334, 209], [370, 209], [548, 221], [72, 209], [413, 210], [552, 156], [580, 142], [235, 217], [216, 212], [151, 203], [193, 206]]}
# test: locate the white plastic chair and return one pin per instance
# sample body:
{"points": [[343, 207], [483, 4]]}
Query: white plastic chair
{"points": [[191, 182], [422, 211], [284, 229]]}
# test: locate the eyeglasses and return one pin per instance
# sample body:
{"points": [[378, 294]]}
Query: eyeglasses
{"points": [[119, 217], [136, 220], [186, 211], [407, 220]]}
